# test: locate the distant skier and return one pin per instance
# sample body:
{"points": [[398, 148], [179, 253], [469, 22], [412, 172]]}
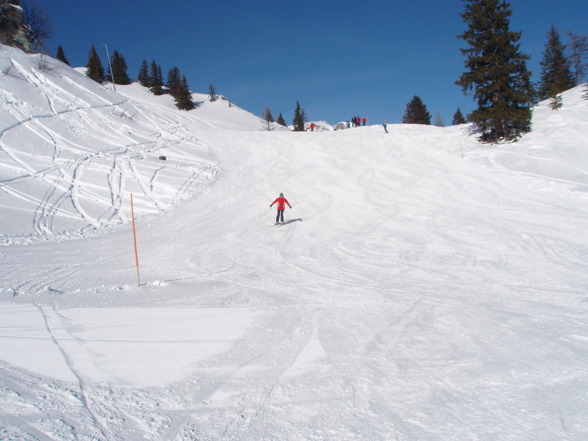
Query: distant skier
{"points": [[385, 126], [281, 201]]}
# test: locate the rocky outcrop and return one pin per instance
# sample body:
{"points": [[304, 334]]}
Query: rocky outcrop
{"points": [[13, 31]]}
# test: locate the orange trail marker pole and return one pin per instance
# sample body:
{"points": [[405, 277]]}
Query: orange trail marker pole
{"points": [[135, 241]]}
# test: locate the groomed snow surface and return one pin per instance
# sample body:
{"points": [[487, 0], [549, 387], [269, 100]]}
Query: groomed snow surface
{"points": [[424, 286]]}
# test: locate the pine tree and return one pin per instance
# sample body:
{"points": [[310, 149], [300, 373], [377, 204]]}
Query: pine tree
{"points": [[556, 75], [496, 72], [156, 79], [174, 81], [143, 77], [61, 55], [119, 69], [178, 88], [183, 96], [298, 118], [94, 69], [578, 48], [281, 120], [416, 112], [458, 117]]}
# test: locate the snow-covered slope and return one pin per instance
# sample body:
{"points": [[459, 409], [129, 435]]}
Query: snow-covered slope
{"points": [[72, 151], [424, 286]]}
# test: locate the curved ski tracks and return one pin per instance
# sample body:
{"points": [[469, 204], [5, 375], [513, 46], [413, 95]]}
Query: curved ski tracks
{"points": [[122, 161]]}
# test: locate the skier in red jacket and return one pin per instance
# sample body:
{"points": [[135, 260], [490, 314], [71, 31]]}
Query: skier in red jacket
{"points": [[281, 201]]}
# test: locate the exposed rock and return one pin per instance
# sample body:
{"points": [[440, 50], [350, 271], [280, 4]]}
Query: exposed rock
{"points": [[13, 31]]}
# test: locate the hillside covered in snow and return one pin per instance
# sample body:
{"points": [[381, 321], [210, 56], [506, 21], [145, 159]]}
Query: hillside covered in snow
{"points": [[423, 287]]}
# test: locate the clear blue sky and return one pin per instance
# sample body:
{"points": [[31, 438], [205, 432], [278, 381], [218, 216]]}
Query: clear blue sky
{"points": [[338, 58]]}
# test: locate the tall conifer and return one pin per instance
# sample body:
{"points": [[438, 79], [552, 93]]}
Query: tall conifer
{"points": [[178, 88], [61, 55], [143, 77], [94, 69], [119, 69], [496, 72], [458, 117], [578, 48], [156, 79], [281, 120], [416, 112], [183, 96], [299, 117], [174, 81], [556, 75]]}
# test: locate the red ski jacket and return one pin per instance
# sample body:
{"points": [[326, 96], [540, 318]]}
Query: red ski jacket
{"points": [[281, 203]]}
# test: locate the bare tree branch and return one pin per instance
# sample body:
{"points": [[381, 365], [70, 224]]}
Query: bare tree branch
{"points": [[35, 18]]}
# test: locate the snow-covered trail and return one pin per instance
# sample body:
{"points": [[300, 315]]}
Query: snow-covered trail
{"points": [[413, 305], [415, 296]]}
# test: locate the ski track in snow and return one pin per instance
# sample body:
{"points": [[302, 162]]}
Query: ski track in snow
{"points": [[413, 294], [66, 202]]}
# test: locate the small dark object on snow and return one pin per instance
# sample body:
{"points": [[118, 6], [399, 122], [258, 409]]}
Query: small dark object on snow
{"points": [[163, 158]]}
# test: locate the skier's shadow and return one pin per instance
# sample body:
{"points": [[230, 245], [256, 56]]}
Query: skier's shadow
{"points": [[289, 221]]}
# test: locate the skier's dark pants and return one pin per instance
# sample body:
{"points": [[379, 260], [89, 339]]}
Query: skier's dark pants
{"points": [[280, 215]]}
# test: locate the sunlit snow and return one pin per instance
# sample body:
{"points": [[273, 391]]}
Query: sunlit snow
{"points": [[424, 287]]}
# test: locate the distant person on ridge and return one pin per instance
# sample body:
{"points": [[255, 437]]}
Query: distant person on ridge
{"points": [[281, 201], [385, 126]]}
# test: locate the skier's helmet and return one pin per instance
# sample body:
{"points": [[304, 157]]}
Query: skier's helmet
{"points": [[281, 195]]}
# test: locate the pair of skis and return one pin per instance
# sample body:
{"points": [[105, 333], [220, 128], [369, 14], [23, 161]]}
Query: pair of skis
{"points": [[289, 221]]}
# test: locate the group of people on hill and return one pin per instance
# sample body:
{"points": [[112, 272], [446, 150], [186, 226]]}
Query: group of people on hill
{"points": [[357, 121]]}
